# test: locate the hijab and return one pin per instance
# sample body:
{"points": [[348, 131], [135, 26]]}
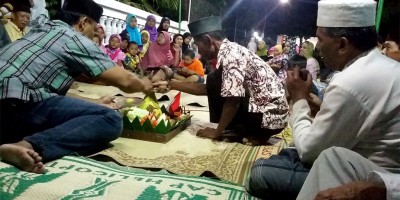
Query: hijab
{"points": [[151, 30], [113, 53], [308, 52], [263, 51], [134, 34], [158, 54], [145, 45], [272, 51], [185, 46], [280, 49], [160, 27]]}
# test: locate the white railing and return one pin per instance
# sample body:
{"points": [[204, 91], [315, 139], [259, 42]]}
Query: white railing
{"points": [[114, 16]]}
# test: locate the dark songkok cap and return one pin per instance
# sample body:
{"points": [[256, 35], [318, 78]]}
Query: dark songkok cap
{"points": [[19, 5], [205, 25], [84, 7]]}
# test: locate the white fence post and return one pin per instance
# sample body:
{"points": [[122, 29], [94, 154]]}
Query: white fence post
{"points": [[119, 26], [114, 26], [117, 10], [108, 29]]}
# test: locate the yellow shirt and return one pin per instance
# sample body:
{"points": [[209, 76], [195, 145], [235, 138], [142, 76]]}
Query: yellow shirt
{"points": [[14, 32]]}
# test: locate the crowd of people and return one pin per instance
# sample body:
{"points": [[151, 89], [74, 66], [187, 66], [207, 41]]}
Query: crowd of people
{"points": [[345, 121]]}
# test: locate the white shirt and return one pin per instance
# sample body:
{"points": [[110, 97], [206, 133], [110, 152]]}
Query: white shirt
{"points": [[360, 111], [313, 67], [390, 181], [252, 46]]}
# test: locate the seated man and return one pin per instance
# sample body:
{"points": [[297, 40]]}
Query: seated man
{"points": [[244, 94], [39, 123], [191, 69], [360, 109], [20, 16], [339, 173]]}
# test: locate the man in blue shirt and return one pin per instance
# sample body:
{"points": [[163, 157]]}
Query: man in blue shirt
{"points": [[38, 122]]}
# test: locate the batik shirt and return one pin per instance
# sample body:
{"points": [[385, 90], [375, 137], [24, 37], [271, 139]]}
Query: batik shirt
{"points": [[132, 62], [43, 63], [243, 70]]}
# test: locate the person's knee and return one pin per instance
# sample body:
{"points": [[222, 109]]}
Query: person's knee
{"points": [[334, 151], [257, 182], [114, 123]]}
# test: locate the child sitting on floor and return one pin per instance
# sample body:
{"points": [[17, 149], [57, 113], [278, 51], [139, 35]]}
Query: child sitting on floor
{"points": [[145, 42], [124, 43], [159, 56], [113, 50], [191, 69], [132, 58]]}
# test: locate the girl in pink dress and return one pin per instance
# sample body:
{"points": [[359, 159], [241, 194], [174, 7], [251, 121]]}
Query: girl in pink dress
{"points": [[113, 51]]}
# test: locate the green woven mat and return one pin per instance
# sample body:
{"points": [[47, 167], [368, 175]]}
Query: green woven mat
{"points": [[82, 178]]}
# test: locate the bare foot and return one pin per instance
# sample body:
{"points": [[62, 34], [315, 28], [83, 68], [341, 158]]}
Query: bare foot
{"points": [[23, 157]]}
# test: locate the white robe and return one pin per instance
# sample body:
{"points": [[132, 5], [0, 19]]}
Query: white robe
{"points": [[360, 111], [252, 46], [40, 15]]}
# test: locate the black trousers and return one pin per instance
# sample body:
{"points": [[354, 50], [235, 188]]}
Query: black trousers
{"points": [[251, 122]]}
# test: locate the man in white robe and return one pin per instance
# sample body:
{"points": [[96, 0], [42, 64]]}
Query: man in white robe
{"points": [[340, 173], [252, 46], [361, 106]]}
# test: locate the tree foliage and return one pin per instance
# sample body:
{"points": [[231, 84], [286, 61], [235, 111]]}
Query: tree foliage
{"points": [[168, 8]]}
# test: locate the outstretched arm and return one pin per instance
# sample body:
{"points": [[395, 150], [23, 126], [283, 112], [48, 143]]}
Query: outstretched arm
{"points": [[124, 80], [191, 88]]}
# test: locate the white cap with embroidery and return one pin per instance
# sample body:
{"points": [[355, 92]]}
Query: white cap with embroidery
{"points": [[346, 13]]}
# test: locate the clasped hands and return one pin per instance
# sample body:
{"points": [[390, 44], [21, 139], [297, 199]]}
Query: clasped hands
{"points": [[299, 84]]}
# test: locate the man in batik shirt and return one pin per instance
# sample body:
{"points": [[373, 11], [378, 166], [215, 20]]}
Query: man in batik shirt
{"points": [[244, 93]]}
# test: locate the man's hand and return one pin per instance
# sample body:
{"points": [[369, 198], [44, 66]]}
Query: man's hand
{"points": [[147, 85], [110, 102], [353, 191], [297, 87], [209, 133], [315, 103], [275, 67], [161, 86]]}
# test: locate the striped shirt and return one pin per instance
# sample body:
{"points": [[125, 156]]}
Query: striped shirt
{"points": [[43, 63]]}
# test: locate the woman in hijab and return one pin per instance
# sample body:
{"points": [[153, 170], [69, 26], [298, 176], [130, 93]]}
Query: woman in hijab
{"points": [[159, 55], [279, 63], [101, 33], [262, 51], [187, 37], [113, 50], [150, 27], [132, 30], [164, 25], [307, 50], [145, 42]]}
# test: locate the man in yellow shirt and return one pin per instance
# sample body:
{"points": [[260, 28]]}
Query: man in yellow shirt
{"points": [[20, 16]]}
